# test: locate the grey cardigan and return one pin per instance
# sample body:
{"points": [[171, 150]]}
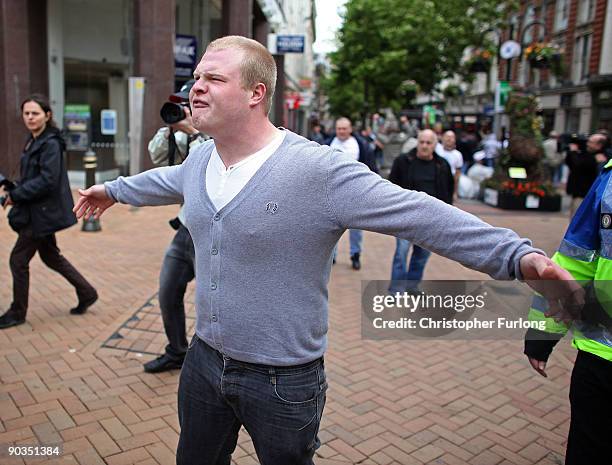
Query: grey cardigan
{"points": [[263, 261]]}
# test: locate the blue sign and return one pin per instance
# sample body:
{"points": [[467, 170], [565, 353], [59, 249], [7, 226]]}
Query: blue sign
{"points": [[289, 44], [108, 122], [185, 55]]}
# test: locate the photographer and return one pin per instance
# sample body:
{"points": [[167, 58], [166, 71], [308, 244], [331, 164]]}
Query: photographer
{"points": [[584, 164], [171, 145], [41, 206]]}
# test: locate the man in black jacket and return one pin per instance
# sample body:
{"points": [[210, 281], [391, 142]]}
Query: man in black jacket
{"points": [[355, 146], [583, 168], [420, 170]]}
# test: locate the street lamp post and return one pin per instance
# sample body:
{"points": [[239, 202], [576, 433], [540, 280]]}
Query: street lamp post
{"points": [[525, 29]]}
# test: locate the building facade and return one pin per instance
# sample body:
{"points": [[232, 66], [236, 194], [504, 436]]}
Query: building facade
{"points": [[108, 67], [578, 99]]}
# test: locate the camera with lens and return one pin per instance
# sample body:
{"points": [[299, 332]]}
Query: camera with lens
{"points": [[8, 185], [173, 111], [572, 138]]}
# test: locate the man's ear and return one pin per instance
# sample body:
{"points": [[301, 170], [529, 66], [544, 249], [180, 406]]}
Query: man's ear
{"points": [[258, 94]]}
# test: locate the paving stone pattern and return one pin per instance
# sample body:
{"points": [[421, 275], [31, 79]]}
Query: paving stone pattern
{"points": [[70, 380]]}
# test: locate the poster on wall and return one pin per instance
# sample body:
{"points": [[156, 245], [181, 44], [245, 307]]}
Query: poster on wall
{"points": [[185, 55]]}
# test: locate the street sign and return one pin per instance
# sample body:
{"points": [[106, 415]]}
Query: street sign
{"points": [[502, 92], [108, 122], [289, 44], [510, 49], [185, 55]]}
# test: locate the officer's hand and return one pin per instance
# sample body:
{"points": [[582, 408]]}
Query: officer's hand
{"points": [[185, 125], [92, 202], [538, 366], [564, 295]]}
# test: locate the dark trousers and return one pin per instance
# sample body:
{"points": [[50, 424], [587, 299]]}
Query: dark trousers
{"points": [[176, 272], [46, 246], [280, 407], [591, 404]]}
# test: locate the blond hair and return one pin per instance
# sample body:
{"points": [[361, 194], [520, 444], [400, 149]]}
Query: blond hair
{"points": [[257, 66]]}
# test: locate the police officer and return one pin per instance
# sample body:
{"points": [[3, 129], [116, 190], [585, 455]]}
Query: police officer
{"points": [[586, 252]]}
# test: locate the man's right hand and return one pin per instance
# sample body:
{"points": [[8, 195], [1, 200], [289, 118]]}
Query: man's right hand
{"points": [[538, 366], [92, 202], [185, 125]]}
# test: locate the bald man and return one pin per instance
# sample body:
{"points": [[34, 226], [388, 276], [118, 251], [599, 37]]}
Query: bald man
{"points": [[422, 170], [358, 149], [448, 150]]}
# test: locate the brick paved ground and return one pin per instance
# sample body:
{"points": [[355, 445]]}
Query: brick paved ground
{"points": [[70, 380]]}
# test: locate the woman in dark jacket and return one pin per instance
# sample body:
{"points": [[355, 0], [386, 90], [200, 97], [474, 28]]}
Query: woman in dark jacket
{"points": [[41, 205]]}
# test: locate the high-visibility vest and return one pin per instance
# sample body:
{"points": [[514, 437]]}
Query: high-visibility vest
{"points": [[586, 252]]}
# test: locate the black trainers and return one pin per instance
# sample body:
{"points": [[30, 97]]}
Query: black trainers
{"points": [[355, 261], [163, 363], [10, 319], [84, 304]]}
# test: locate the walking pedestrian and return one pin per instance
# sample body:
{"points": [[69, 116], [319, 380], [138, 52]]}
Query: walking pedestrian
{"points": [[356, 147], [41, 206], [448, 150], [421, 170]]}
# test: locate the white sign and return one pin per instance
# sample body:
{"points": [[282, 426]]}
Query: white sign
{"points": [[532, 201], [510, 49], [491, 197], [108, 122]]}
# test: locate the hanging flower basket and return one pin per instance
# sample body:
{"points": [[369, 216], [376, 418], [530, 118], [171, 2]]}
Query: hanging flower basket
{"points": [[480, 61], [408, 90], [452, 91], [545, 56]]}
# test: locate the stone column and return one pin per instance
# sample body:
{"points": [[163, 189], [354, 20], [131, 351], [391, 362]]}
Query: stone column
{"points": [[23, 70], [154, 29], [237, 17]]}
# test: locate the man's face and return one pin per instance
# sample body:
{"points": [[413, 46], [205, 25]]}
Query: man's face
{"points": [[426, 145], [343, 130], [594, 144], [218, 100], [448, 141]]}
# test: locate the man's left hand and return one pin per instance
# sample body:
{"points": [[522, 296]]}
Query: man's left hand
{"points": [[564, 295]]}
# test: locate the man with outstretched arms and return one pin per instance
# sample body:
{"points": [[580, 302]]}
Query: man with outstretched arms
{"points": [[265, 208]]}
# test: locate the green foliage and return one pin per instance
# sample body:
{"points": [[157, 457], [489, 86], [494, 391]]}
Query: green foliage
{"points": [[523, 112], [383, 43]]}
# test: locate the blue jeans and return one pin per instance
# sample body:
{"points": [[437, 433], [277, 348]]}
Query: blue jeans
{"points": [[402, 278], [355, 240], [280, 407], [176, 272]]}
